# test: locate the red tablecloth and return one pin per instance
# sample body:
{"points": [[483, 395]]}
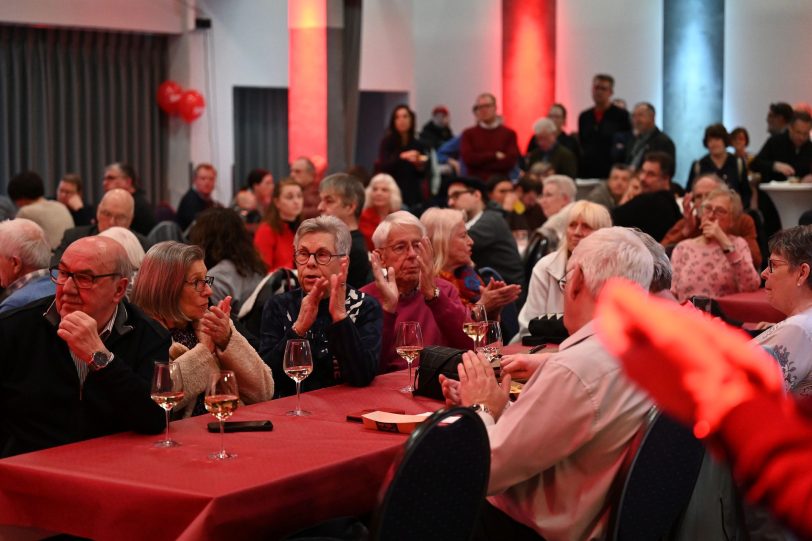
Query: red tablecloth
{"points": [[306, 470], [749, 307]]}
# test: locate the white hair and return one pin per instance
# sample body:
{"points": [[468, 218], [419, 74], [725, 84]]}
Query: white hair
{"points": [[395, 198], [400, 218], [612, 252], [565, 185], [661, 280], [544, 125], [25, 239], [128, 241], [326, 224]]}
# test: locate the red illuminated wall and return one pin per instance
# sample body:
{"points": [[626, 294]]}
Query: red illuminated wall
{"points": [[307, 78], [528, 63]]}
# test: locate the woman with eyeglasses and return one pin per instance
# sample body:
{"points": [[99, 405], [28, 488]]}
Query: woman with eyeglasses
{"points": [[274, 236], [715, 263], [172, 288], [788, 281], [342, 324]]}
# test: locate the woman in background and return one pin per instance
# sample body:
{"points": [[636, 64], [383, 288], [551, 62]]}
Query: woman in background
{"points": [[403, 156], [730, 168], [274, 236], [382, 198]]}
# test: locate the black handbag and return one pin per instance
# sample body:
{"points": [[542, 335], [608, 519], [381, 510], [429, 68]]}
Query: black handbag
{"points": [[436, 360]]}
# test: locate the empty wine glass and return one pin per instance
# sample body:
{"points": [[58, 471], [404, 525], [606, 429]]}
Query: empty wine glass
{"points": [[473, 323], [409, 344], [490, 341], [167, 390], [222, 398], [298, 364]]}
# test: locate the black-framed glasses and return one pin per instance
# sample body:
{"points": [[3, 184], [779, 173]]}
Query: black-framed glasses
{"points": [[401, 247], [456, 194], [201, 283], [322, 257], [82, 280], [718, 211], [772, 263]]}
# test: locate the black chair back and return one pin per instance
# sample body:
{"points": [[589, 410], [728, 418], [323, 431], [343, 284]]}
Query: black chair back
{"points": [[657, 482], [438, 483]]}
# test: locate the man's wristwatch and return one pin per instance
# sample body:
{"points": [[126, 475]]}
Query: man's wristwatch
{"points": [[99, 360], [436, 295]]}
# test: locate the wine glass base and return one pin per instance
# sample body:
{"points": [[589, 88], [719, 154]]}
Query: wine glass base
{"points": [[299, 413], [222, 455], [167, 443], [407, 389]]}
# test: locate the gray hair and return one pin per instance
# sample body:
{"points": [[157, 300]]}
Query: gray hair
{"points": [[348, 188], [128, 241], [161, 279], [326, 224], [612, 252], [794, 243], [395, 198], [544, 125], [400, 218], [565, 185], [661, 280], [25, 239], [710, 176]]}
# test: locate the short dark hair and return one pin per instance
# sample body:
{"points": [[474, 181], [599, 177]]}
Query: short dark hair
{"points": [[664, 159], [606, 78], [26, 185], [494, 180], [782, 109], [800, 116], [530, 185], [794, 243], [75, 179], [348, 188], [204, 166], [254, 177], [740, 130], [128, 171], [621, 167], [560, 106], [648, 106], [716, 131]]}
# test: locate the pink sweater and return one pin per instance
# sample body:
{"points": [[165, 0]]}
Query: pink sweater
{"points": [[440, 321], [704, 269]]}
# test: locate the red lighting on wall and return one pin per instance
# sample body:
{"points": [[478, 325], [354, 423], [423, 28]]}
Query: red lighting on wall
{"points": [[307, 78], [528, 63]]}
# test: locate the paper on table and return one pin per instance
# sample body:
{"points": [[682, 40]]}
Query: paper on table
{"points": [[394, 422]]}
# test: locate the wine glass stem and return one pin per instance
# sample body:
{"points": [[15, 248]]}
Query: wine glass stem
{"points": [[167, 424], [409, 362], [298, 396], [222, 439]]}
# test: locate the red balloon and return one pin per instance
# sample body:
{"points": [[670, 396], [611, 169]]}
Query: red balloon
{"points": [[168, 97], [191, 105]]}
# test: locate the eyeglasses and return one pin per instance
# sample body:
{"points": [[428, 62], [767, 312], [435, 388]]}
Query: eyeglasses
{"points": [[83, 280], [483, 106], [201, 283], [455, 195], [402, 247], [112, 177], [562, 282], [322, 257], [717, 211], [771, 264]]}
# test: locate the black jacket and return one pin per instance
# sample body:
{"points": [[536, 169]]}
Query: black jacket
{"points": [[42, 402], [653, 213], [75, 233], [597, 140], [495, 247], [780, 148]]}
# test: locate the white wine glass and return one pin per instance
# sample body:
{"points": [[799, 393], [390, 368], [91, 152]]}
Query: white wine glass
{"points": [[298, 364], [409, 344], [167, 391], [222, 398], [473, 323], [490, 341]]}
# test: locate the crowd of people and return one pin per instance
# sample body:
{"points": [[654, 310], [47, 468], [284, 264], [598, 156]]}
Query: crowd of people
{"points": [[93, 295]]}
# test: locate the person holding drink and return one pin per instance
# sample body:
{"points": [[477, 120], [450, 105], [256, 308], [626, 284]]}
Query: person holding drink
{"points": [[342, 324], [173, 288]]}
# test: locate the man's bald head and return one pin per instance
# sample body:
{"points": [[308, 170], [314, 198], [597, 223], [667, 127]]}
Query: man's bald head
{"points": [[115, 209]]}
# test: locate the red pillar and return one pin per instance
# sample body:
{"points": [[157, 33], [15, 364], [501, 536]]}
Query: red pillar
{"points": [[528, 63], [307, 78]]}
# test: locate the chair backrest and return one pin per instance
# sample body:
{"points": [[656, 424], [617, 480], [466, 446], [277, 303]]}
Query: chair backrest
{"points": [[279, 281], [657, 482], [438, 483], [165, 230]]}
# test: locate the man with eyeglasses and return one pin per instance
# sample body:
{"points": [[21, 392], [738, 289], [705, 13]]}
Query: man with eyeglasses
{"points": [[688, 226], [122, 175], [488, 148], [409, 290], [79, 364], [342, 324], [115, 210]]}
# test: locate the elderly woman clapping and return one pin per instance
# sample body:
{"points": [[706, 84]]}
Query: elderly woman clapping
{"points": [[452, 261], [172, 288]]}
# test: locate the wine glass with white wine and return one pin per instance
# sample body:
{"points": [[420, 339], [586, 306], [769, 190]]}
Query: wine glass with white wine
{"points": [[472, 326], [490, 341], [167, 391], [222, 398], [409, 344], [298, 364]]}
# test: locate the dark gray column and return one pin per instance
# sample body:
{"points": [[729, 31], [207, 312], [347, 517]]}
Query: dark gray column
{"points": [[693, 74]]}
